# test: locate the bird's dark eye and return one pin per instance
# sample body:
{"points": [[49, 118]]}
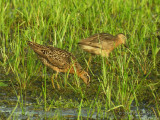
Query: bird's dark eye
{"points": [[87, 76]]}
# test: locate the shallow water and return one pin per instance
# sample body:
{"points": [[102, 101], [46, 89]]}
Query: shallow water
{"points": [[29, 111]]}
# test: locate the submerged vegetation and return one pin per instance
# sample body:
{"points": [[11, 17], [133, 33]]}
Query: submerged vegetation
{"points": [[131, 74]]}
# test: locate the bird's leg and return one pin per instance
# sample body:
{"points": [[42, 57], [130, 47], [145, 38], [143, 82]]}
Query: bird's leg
{"points": [[57, 81], [89, 60], [52, 81], [107, 63], [66, 78]]}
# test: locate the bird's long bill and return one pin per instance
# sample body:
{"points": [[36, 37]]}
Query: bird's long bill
{"points": [[128, 49], [125, 46]]}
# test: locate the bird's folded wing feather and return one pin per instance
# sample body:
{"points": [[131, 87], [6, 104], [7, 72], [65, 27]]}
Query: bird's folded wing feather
{"points": [[102, 40], [59, 58]]}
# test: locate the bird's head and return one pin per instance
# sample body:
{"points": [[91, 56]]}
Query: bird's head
{"points": [[122, 38], [85, 77]]}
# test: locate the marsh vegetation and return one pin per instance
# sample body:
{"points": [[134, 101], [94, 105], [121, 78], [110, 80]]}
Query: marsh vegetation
{"points": [[131, 78]]}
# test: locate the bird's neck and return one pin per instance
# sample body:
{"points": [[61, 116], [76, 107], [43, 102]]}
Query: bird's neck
{"points": [[118, 42]]}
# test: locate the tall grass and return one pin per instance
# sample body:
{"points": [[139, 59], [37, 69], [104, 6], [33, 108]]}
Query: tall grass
{"points": [[62, 24]]}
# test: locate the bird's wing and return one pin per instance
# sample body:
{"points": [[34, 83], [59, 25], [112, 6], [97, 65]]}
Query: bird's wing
{"points": [[97, 37], [59, 58], [55, 56], [98, 40]]}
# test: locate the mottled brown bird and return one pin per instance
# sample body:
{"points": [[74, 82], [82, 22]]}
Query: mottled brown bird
{"points": [[102, 43], [59, 60]]}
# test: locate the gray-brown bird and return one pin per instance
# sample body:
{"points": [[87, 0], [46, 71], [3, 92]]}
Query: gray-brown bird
{"points": [[102, 43], [59, 60]]}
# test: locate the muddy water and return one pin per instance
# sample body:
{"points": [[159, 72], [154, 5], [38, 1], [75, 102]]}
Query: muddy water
{"points": [[10, 107]]}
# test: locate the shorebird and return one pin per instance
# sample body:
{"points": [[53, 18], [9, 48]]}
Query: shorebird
{"points": [[60, 61], [102, 43]]}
